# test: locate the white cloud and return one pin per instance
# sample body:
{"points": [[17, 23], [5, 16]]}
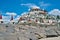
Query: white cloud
{"points": [[24, 13], [55, 12], [30, 5], [6, 17], [17, 18], [44, 4], [26, 4], [11, 13]]}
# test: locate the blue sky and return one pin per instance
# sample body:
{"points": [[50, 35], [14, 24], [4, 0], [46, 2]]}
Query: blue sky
{"points": [[20, 6], [15, 5]]}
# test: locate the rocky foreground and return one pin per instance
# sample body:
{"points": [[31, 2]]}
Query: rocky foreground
{"points": [[28, 32]]}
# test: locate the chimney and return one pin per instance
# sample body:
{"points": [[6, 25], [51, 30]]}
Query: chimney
{"points": [[11, 17]]}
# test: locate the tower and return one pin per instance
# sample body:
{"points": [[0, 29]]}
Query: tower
{"points": [[11, 20]]}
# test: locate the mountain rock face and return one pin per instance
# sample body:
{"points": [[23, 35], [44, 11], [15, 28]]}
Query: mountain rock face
{"points": [[37, 24]]}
